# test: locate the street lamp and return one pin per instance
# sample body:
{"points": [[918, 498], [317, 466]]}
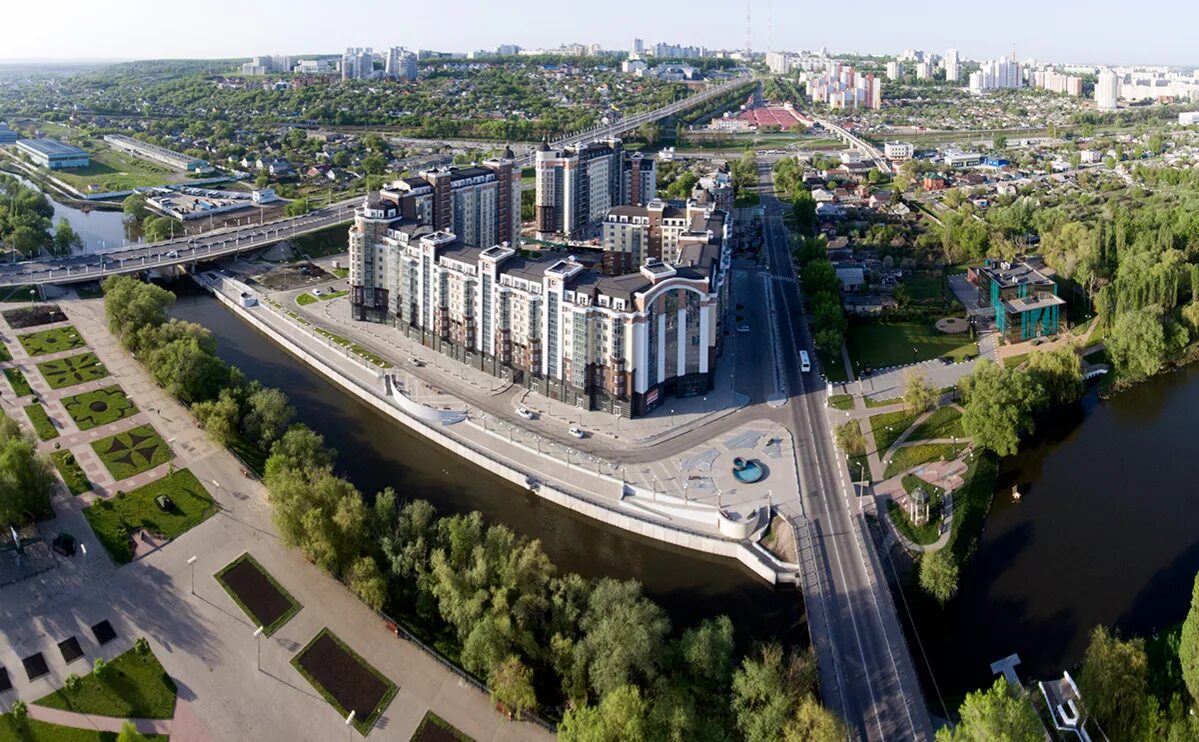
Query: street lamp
{"points": [[192, 563], [258, 644]]}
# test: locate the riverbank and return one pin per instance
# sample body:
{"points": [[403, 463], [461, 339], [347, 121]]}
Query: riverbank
{"points": [[565, 484]]}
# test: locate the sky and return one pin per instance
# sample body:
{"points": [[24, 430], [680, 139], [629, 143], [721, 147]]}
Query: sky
{"points": [[1083, 31]]}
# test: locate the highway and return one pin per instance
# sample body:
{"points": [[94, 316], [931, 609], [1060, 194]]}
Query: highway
{"points": [[209, 245], [867, 674], [857, 143]]}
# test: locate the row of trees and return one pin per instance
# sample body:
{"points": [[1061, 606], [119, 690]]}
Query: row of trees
{"points": [[25, 478], [822, 289], [487, 597], [26, 222]]}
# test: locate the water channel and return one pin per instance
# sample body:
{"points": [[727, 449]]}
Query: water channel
{"points": [[100, 230], [375, 451]]}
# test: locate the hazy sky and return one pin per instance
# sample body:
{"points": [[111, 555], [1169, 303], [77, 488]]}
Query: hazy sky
{"points": [[1100, 31]]}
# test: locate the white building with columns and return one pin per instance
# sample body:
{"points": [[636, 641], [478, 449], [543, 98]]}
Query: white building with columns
{"points": [[621, 343]]}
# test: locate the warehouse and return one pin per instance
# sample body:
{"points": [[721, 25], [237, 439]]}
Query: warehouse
{"points": [[53, 154]]}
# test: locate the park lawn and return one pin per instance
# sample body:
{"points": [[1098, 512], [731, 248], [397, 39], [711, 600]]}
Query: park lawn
{"points": [[907, 457], [930, 531], [924, 287], [99, 407], [945, 422], [40, 731], [896, 421], [5, 355], [135, 686], [341, 272], [52, 341], [18, 293], [132, 452], [881, 344], [433, 728], [72, 474], [42, 424], [111, 170], [258, 593], [841, 401], [1014, 361], [72, 370], [871, 402], [834, 370], [20, 385], [114, 519], [972, 502]]}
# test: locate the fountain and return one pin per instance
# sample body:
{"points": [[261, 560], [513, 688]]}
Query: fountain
{"points": [[747, 471]]}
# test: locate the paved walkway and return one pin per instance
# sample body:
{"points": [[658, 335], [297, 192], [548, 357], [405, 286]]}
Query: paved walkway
{"points": [[204, 640]]}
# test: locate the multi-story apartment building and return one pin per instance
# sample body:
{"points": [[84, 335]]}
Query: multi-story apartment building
{"points": [[953, 65], [577, 185], [399, 64], [358, 63], [479, 204], [618, 343], [1107, 90], [1056, 82], [634, 234], [997, 74], [894, 70], [843, 87]]}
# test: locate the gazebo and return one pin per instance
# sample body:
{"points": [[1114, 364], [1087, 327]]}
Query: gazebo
{"points": [[918, 506]]}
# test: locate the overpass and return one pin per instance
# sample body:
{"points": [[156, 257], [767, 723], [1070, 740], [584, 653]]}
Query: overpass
{"points": [[856, 142], [218, 243]]}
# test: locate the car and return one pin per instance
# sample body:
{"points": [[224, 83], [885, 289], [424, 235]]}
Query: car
{"points": [[416, 362], [577, 432], [525, 412], [173, 254], [743, 328]]}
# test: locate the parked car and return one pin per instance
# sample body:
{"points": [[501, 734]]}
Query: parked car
{"points": [[525, 412], [416, 362], [743, 328], [576, 432]]}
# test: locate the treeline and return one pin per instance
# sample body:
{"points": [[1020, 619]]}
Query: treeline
{"points": [[26, 224], [25, 478], [822, 289], [598, 650]]}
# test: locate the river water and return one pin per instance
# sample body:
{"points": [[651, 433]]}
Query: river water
{"points": [[1106, 532], [99, 230], [375, 451]]}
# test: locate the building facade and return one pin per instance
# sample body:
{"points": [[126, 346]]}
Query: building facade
{"points": [[479, 204], [620, 343], [953, 65], [1107, 91], [576, 186], [53, 154], [1024, 298]]}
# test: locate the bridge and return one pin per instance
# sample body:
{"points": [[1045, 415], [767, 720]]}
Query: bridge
{"points": [[856, 142], [218, 243]]}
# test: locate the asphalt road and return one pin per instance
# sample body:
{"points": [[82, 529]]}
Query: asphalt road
{"points": [[866, 671], [216, 243]]}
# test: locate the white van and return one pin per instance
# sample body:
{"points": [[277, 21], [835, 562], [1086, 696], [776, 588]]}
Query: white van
{"points": [[805, 363]]}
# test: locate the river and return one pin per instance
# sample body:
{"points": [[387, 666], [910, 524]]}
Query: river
{"points": [[1105, 533], [99, 230], [375, 451]]}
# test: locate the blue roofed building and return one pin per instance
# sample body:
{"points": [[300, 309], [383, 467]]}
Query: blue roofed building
{"points": [[53, 154]]}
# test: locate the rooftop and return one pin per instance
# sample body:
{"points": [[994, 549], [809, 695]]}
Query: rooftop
{"points": [[52, 147]]}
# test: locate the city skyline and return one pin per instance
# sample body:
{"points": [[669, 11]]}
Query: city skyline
{"points": [[1107, 34]]}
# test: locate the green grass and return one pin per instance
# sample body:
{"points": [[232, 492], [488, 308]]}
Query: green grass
{"points": [[40, 731], [72, 474], [923, 535], [841, 401], [363, 725], [305, 299], [20, 385], [880, 344], [134, 686], [111, 170], [333, 240], [923, 287], [971, 502], [42, 424], [859, 467], [115, 519], [99, 407], [433, 720], [355, 348], [278, 623], [18, 293], [334, 295], [5, 355], [308, 297], [834, 371], [72, 370], [922, 453], [52, 341], [341, 272], [896, 421], [873, 403], [749, 199], [1014, 361], [945, 422], [132, 452]]}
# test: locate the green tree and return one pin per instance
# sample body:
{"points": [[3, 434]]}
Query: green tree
{"points": [[850, 439], [134, 206], [804, 209], [267, 416], [375, 164], [298, 207], [100, 669], [919, 394], [25, 478], [999, 714], [299, 449], [813, 723], [66, 239], [621, 715], [1058, 373], [706, 653], [131, 305], [764, 696], [129, 733], [159, 228], [1137, 343], [367, 582], [999, 407], [511, 684], [939, 574], [220, 417], [1188, 646], [1114, 683], [19, 712], [623, 635], [71, 682]]}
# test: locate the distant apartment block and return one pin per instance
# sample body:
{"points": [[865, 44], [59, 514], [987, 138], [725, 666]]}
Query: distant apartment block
{"points": [[161, 155], [52, 154], [267, 64], [843, 87], [1107, 90], [898, 151], [576, 186], [997, 74], [953, 65], [1056, 82], [894, 70], [619, 343], [358, 63], [399, 64], [659, 230], [1023, 295], [480, 204]]}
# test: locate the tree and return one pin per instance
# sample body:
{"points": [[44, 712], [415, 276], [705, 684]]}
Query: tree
{"points": [[1058, 373], [939, 574], [621, 715], [1114, 683], [999, 406], [706, 652], [813, 723], [919, 394], [999, 142], [131, 305], [375, 164], [100, 669], [71, 682], [804, 209], [134, 205], [1188, 645], [850, 439], [66, 239], [159, 228], [25, 478], [764, 699], [299, 449], [623, 633], [1137, 343], [267, 416], [511, 684], [220, 417], [999, 714], [298, 207], [367, 582], [19, 712], [129, 733]]}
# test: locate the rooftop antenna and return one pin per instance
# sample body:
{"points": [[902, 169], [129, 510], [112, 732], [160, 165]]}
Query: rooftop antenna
{"points": [[748, 32]]}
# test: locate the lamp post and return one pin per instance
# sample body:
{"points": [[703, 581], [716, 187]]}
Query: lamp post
{"points": [[192, 563], [258, 646]]}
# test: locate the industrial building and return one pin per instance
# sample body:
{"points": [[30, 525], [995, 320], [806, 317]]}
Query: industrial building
{"points": [[161, 155], [53, 154], [7, 135], [619, 343]]}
